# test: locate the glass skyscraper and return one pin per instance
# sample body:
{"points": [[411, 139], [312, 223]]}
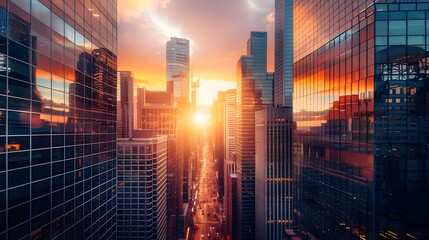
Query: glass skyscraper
{"points": [[125, 104], [361, 109], [283, 55], [273, 172], [252, 81], [58, 119], [178, 66]]}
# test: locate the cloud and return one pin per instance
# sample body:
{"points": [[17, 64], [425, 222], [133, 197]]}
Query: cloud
{"points": [[132, 9], [270, 17], [260, 5], [218, 32]]}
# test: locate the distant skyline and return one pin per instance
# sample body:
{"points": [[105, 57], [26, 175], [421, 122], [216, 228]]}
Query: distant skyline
{"points": [[217, 31]]}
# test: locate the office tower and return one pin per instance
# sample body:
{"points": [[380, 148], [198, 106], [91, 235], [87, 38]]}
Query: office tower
{"points": [[229, 165], [57, 142], [251, 80], [232, 214], [230, 122], [283, 55], [360, 104], [156, 112], [159, 114], [219, 120], [274, 137], [273, 171], [178, 81], [126, 100], [229, 168], [142, 186]]}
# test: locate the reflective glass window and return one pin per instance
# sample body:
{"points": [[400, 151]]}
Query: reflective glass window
{"points": [[19, 195], [397, 28], [40, 12], [19, 123], [18, 177]]}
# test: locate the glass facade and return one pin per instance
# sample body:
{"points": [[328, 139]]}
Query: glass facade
{"points": [[251, 82], [283, 53], [273, 170], [178, 79], [57, 119], [126, 101], [142, 187], [360, 105]]}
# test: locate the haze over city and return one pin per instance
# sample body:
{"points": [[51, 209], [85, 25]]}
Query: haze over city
{"points": [[214, 119], [217, 30]]}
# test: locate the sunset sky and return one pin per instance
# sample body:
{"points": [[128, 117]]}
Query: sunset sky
{"points": [[218, 31]]}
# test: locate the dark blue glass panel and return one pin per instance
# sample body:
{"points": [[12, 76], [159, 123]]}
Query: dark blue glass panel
{"points": [[40, 188], [18, 177], [18, 195]]}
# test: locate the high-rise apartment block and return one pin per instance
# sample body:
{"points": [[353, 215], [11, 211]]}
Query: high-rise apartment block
{"points": [[142, 186], [58, 119], [361, 109]]}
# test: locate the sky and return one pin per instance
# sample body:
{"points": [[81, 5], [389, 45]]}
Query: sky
{"points": [[217, 29]]}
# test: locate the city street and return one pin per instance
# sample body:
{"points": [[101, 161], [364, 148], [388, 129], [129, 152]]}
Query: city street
{"points": [[207, 218]]}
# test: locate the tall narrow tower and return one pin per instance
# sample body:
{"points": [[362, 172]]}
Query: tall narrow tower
{"points": [[126, 102], [283, 53], [178, 78], [254, 90]]}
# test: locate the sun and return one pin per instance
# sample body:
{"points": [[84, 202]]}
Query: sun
{"points": [[201, 118]]}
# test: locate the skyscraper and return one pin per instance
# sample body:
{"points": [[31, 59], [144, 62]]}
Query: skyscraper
{"points": [[219, 121], [231, 212], [230, 123], [251, 81], [178, 78], [283, 59], [142, 186], [178, 83], [360, 104], [156, 112], [273, 138], [126, 102], [57, 120], [273, 171]]}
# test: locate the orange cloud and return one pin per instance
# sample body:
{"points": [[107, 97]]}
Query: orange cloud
{"points": [[129, 10], [218, 32]]}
